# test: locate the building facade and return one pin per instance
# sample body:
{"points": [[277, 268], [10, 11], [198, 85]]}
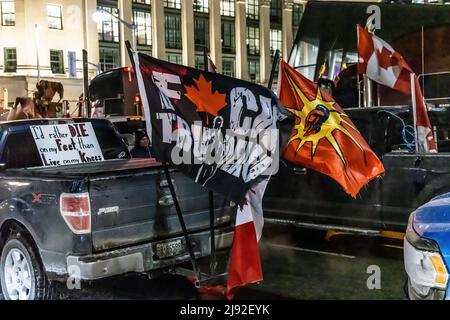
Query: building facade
{"points": [[42, 39], [39, 33]]}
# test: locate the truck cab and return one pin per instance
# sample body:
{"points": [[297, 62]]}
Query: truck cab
{"points": [[326, 49]]}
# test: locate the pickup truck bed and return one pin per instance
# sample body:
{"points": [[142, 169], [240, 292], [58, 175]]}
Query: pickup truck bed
{"points": [[123, 208]]}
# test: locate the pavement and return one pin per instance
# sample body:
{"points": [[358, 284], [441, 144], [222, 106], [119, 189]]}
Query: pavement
{"points": [[297, 263]]}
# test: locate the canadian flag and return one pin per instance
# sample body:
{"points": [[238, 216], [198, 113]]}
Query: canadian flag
{"points": [[211, 66], [381, 63], [245, 263]]}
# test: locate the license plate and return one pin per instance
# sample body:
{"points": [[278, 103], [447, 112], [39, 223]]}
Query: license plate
{"points": [[169, 249]]}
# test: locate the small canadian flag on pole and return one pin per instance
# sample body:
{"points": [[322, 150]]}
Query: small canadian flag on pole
{"points": [[245, 263], [424, 134], [381, 63]]}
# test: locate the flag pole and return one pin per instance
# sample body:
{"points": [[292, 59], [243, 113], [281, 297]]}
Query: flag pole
{"points": [[414, 107], [143, 93], [213, 258], [276, 60], [358, 85]]}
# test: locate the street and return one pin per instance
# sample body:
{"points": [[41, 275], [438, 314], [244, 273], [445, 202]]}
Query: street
{"points": [[297, 264]]}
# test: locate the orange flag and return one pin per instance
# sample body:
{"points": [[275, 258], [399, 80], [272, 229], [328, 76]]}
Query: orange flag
{"points": [[324, 138]]}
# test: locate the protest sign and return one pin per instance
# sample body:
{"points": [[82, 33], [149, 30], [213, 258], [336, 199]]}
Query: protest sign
{"points": [[65, 144]]}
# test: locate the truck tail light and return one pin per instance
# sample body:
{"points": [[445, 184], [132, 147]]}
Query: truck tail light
{"points": [[75, 208]]}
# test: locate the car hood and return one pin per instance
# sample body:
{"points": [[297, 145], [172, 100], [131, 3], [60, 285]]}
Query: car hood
{"points": [[432, 221], [433, 217]]}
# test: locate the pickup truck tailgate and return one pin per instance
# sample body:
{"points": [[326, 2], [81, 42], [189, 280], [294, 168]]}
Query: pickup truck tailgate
{"points": [[135, 205]]}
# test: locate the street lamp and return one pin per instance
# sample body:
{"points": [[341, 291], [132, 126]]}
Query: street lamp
{"points": [[36, 40], [101, 15]]}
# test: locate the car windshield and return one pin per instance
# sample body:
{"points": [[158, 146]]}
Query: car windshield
{"points": [[21, 151]]}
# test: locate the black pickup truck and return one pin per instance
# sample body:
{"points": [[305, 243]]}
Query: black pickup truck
{"points": [[94, 219], [302, 197]]}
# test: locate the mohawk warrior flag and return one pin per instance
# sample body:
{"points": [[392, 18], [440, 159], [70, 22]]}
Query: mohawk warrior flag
{"points": [[324, 138], [381, 63], [220, 131]]}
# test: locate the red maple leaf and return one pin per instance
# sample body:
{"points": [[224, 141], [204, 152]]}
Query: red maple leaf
{"points": [[204, 98], [385, 58]]}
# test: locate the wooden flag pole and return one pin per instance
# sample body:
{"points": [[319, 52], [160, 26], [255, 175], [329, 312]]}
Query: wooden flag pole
{"points": [[213, 258], [194, 263]]}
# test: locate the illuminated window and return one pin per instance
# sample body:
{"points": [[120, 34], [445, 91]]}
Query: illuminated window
{"points": [[175, 4], [54, 16], [253, 40], [142, 21], [10, 59], [57, 61], [8, 13], [201, 6], [253, 70], [108, 28], [143, 1], [228, 67], [252, 9], [276, 41], [174, 58], [227, 8], [109, 58]]}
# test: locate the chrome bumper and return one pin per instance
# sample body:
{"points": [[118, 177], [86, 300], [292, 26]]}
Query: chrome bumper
{"points": [[141, 258]]}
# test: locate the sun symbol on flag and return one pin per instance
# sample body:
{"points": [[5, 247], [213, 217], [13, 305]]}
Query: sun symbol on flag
{"points": [[318, 119]]}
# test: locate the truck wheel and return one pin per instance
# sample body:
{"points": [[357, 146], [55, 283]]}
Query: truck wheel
{"points": [[21, 274]]}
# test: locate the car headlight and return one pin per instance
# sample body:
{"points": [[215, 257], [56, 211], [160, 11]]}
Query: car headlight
{"points": [[423, 263]]}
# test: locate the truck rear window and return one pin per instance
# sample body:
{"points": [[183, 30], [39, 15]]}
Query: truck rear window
{"points": [[21, 152]]}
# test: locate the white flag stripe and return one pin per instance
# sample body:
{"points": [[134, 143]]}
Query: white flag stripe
{"points": [[143, 93], [252, 210]]}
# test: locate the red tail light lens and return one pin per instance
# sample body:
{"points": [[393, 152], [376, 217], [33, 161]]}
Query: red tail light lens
{"points": [[75, 208]]}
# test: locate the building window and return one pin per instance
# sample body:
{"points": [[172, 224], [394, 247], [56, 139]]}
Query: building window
{"points": [[228, 38], [275, 11], [142, 21], [227, 8], [57, 61], [175, 4], [173, 31], [228, 67], [10, 59], [201, 6], [297, 12], [54, 16], [252, 9], [109, 58], [276, 41], [8, 13], [143, 1], [174, 58], [201, 35], [253, 40], [253, 70], [108, 28], [199, 62]]}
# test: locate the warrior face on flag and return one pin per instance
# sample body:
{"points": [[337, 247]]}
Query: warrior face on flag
{"points": [[221, 131]]}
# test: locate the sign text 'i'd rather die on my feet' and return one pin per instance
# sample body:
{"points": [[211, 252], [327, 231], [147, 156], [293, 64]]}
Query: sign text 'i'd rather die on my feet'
{"points": [[65, 144]]}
